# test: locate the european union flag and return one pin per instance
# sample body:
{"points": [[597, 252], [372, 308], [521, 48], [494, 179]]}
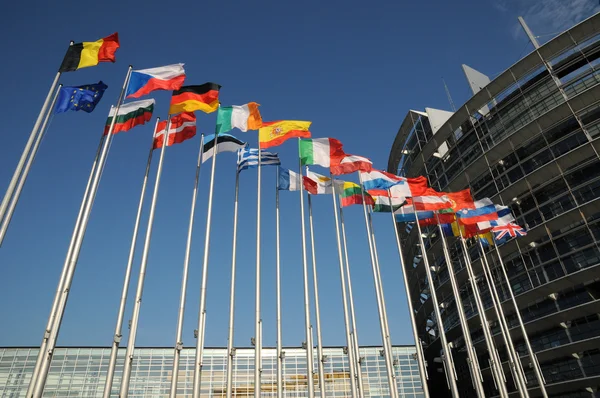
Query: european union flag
{"points": [[80, 98]]}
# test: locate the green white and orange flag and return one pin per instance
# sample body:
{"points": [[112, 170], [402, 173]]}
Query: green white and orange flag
{"points": [[244, 117], [130, 115], [351, 194], [321, 151]]}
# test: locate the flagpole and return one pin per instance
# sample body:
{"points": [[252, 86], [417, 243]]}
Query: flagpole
{"points": [[476, 376], [357, 360], [309, 347], [230, 351], [420, 359], [63, 275], [27, 150], [349, 342], [518, 378], [202, 309], [316, 294], [258, 344], [278, 292], [533, 358], [121, 314], [388, 340], [446, 353], [30, 160], [495, 364], [184, 279], [124, 390], [389, 369], [71, 261]]}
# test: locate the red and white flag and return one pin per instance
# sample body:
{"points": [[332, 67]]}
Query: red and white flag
{"points": [[183, 127], [350, 164], [431, 200]]}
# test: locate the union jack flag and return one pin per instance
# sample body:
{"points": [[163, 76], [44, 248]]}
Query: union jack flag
{"points": [[511, 230]]}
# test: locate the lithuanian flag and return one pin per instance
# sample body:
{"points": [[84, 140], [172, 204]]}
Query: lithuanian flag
{"points": [[275, 133], [90, 53], [351, 194], [204, 97]]}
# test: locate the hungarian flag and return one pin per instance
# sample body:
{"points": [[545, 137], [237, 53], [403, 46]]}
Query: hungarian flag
{"points": [[320, 151], [130, 115], [183, 127], [384, 203], [244, 117], [316, 183], [204, 97], [90, 53], [276, 133], [351, 194], [144, 81], [350, 164]]}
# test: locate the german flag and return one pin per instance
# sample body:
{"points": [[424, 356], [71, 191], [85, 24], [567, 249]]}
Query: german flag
{"points": [[204, 97], [90, 53]]}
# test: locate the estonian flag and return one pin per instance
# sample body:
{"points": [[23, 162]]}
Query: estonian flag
{"points": [[227, 143]]}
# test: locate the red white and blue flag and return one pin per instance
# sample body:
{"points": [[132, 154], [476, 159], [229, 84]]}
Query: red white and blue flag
{"points": [[484, 210], [144, 81], [508, 231]]}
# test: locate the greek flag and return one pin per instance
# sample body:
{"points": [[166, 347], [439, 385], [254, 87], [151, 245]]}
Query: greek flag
{"points": [[248, 158]]}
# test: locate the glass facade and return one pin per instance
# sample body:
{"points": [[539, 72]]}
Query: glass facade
{"points": [[528, 140], [81, 372]]}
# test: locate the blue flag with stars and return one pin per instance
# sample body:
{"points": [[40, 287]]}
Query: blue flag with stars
{"points": [[80, 98]]}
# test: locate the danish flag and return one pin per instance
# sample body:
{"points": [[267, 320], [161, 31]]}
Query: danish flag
{"points": [[511, 230]]}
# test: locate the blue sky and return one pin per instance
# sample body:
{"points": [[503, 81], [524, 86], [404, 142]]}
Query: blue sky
{"points": [[353, 68]]}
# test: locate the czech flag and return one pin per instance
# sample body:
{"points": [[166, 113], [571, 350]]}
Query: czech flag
{"points": [[144, 81]]}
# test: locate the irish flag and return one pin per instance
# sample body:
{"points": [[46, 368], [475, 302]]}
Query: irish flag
{"points": [[316, 183], [244, 117], [351, 194], [350, 164], [144, 81], [183, 127], [320, 151], [130, 115]]}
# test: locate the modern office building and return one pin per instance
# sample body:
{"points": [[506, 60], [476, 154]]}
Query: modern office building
{"points": [[528, 139], [81, 372]]}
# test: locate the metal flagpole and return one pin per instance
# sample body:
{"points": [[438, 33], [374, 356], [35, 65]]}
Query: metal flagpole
{"points": [[258, 340], [63, 275], [184, 279], [230, 349], [354, 345], [419, 353], [349, 342], [446, 353], [390, 370], [309, 346], [278, 292], [388, 340], [121, 314], [495, 364], [316, 294], [476, 376], [533, 358], [124, 391], [515, 369], [202, 310], [73, 256], [30, 160], [27, 150]]}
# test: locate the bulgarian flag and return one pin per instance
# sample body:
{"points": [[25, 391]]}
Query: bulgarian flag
{"points": [[244, 117], [316, 183], [350, 164], [351, 194], [320, 151], [130, 115]]}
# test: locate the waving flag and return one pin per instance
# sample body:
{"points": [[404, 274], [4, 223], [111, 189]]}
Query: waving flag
{"points": [[204, 97], [289, 180], [183, 127], [320, 151], [350, 164], [504, 215], [90, 53], [407, 214], [484, 210], [384, 203], [79, 98], [377, 179], [276, 133], [244, 117], [351, 194], [144, 81], [227, 143], [430, 199], [511, 230], [317, 184], [248, 159], [130, 115]]}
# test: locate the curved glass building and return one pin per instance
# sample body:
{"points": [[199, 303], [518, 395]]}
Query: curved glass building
{"points": [[528, 139]]}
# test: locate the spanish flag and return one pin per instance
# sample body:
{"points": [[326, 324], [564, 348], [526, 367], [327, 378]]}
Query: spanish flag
{"points": [[90, 53], [204, 97], [276, 133]]}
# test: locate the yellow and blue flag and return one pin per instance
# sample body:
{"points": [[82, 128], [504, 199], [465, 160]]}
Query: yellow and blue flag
{"points": [[79, 98]]}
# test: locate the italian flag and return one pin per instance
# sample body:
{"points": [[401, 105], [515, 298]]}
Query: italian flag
{"points": [[316, 183], [130, 115], [320, 151], [244, 117], [351, 194], [350, 164]]}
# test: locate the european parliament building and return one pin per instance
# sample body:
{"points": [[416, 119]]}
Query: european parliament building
{"points": [[528, 139], [81, 372]]}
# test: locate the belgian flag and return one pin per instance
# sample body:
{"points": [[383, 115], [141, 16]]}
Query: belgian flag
{"points": [[90, 53], [204, 97]]}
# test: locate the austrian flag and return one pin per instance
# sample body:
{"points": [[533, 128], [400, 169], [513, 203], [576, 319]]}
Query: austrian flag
{"points": [[350, 164]]}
